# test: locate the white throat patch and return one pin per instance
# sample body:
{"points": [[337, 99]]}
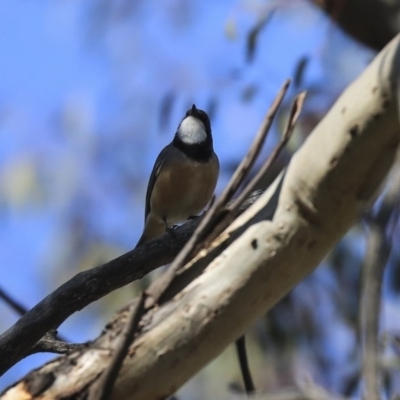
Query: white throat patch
{"points": [[192, 131]]}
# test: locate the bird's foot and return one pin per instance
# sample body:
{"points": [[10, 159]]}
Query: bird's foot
{"points": [[171, 230]]}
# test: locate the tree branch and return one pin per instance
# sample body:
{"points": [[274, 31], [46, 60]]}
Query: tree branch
{"points": [[254, 263], [50, 343], [89, 286]]}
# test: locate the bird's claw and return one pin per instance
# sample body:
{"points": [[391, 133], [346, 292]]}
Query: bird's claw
{"points": [[171, 229]]}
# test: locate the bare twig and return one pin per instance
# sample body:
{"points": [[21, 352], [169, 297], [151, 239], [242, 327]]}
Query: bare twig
{"points": [[292, 119], [244, 365], [102, 389], [234, 206], [50, 343], [372, 271], [244, 167], [14, 304], [209, 220], [377, 255]]}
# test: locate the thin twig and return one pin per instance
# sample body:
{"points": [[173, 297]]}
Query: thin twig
{"points": [[234, 206], [102, 389], [14, 304], [244, 365], [209, 220], [372, 275], [50, 343], [244, 167], [377, 255], [292, 120]]}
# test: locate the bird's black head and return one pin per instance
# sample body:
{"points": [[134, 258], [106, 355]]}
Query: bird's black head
{"points": [[201, 115], [195, 128], [194, 134]]}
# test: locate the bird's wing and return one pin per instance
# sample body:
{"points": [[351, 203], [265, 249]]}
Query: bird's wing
{"points": [[160, 161]]}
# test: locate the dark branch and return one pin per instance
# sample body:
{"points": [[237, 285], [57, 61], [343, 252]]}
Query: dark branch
{"points": [[244, 365], [87, 287], [49, 343]]}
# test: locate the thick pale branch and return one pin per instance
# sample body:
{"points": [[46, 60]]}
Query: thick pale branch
{"points": [[328, 182]]}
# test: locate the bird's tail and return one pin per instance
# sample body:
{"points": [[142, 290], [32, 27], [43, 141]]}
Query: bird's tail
{"points": [[153, 228]]}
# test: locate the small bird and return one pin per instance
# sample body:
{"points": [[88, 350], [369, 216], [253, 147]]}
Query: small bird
{"points": [[184, 176]]}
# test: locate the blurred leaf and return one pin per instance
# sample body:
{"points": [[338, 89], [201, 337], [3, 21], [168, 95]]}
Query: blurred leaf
{"points": [[299, 71], [167, 104], [230, 29], [19, 181], [253, 35], [249, 92], [212, 107]]}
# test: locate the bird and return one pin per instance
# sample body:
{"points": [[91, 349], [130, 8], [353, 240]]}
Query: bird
{"points": [[183, 178]]}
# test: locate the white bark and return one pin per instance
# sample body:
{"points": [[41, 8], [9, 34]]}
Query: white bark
{"points": [[329, 180]]}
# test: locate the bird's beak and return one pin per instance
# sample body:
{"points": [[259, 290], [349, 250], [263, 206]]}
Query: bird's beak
{"points": [[194, 108]]}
